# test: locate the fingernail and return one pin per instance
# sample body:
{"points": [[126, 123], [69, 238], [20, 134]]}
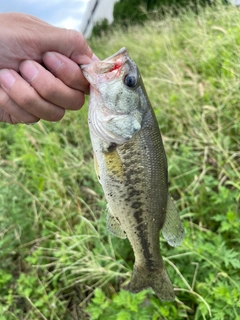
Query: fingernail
{"points": [[94, 57], [52, 60], [7, 79], [28, 70]]}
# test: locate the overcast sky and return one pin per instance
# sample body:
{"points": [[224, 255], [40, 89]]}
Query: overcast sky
{"points": [[61, 13]]}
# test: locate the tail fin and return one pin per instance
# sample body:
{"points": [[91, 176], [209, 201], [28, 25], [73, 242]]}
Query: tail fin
{"points": [[158, 280]]}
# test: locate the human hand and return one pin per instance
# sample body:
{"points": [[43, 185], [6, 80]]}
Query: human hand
{"points": [[39, 72]]}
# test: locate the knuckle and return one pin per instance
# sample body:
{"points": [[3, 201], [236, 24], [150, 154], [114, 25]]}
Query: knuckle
{"points": [[79, 40], [28, 99], [76, 101], [50, 89], [80, 102], [76, 36], [4, 98], [56, 115], [30, 119], [73, 77]]}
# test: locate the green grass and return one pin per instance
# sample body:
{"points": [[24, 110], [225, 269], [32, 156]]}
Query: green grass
{"points": [[58, 260]]}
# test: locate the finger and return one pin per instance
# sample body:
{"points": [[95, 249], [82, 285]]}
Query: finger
{"points": [[66, 70], [70, 43], [10, 112], [26, 97], [73, 45], [51, 88]]}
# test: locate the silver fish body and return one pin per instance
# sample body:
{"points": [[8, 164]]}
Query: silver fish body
{"points": [[131, 166]]}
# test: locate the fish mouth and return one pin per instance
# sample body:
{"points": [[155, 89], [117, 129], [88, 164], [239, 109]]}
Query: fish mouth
{"points": [[105, 70], [114, 62]]}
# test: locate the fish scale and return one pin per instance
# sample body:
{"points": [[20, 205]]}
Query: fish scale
{"points": [[131, 165], [144, 197]]}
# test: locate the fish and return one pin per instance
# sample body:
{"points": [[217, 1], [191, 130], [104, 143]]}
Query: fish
{"points": [[131, 165]]}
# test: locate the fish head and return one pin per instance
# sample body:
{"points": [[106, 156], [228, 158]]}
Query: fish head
{"points": [[118, 99]]}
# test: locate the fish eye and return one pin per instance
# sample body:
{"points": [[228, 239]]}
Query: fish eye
{"points": [[130, 80]]}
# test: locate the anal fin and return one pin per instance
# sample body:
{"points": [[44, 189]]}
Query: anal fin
{"points": [[173, 230]]}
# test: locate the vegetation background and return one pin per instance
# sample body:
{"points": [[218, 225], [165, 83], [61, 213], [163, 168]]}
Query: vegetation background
{"points": [[57, 259]]}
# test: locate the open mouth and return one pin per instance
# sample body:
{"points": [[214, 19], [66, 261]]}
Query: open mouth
{"points": [[109, 71], [106, 70], [114, 63], [116, 66]]}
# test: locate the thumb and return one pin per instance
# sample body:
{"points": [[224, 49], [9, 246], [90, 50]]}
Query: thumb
{"points": [[70, 43]]}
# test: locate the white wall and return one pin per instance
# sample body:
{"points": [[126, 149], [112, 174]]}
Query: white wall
{"points": [[236, 2], [96, 10]]}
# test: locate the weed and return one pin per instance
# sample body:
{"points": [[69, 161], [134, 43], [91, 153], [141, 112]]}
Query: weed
{"points": [[57, 259]]}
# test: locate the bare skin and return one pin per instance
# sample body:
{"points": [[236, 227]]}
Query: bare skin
{"points": [[39, 69]]}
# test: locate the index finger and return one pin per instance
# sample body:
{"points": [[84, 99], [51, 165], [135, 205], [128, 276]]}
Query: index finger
{"points": [[66, 70]]}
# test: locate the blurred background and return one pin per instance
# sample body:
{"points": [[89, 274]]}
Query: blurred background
{"points": [[57, 259]]}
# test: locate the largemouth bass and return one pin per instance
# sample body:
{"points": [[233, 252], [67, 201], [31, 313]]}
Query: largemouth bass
{"points": [[131, 166]]}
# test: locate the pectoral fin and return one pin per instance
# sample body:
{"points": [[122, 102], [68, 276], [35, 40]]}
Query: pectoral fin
{"points": [[173, 230], [114, 227]]}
